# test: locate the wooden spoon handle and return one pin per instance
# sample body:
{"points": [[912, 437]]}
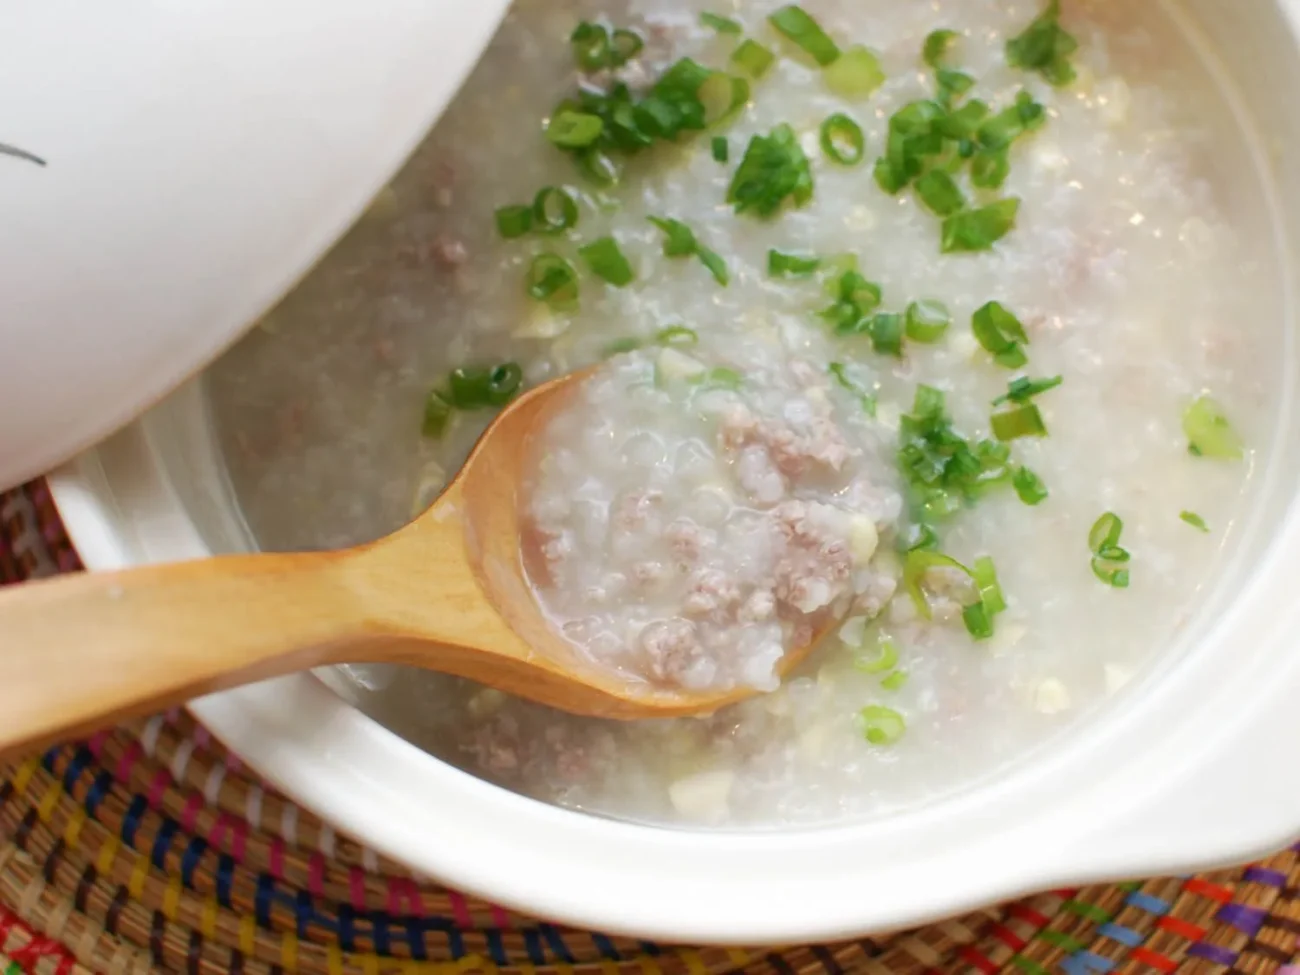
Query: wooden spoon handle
{"points": [[80, 652]]}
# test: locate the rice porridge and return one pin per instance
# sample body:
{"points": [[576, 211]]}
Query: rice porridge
{"points": [[944, 329]]}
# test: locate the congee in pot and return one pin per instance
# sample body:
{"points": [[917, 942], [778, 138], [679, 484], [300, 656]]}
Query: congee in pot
{"points": [[947, 332]]}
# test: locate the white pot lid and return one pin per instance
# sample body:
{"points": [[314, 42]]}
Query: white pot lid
{"points": [[170, 169]]}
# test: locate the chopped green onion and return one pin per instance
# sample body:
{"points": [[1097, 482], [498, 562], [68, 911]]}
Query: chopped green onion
{"points": [[774, 169], [855, 74], [723, 25], [795, 24], [677, 335], [437, 414], [937, 46], [680, 241], [552, 279], [940, 193], [952, 85], [1045, 47], [607, 261], [913, 137], [1105, 533], [841, 373], [790, 265], [716, 265], [719, 378], [753, 58], [574, 130], [1195, 520], [886, 658], [881, 725], [1209, 434], [895, 681], [620, 346], [842, 140], [915, 567], [503, 383], [723, 96], [591, 47], [720, 148], [978, 620], [1112, 575], [1109, 561], [927, 321], [989, 169], [475, 387], [1023, 421], [979, 230], [1001, 334], [514, 221], [624, 46], [986, 581], [1023, 389], [855, 299], [887, 333], [1029, 486], [918, 537], [555, 210], [598, 167]]}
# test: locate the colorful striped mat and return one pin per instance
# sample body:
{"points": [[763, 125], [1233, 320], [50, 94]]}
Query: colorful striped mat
{"points": [[152, 848]]}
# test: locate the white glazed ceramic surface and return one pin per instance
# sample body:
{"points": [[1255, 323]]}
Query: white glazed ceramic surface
{"points": [[1178, 774], [168, 170]]}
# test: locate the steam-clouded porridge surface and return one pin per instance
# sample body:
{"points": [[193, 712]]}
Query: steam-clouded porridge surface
{"points": [[984, 396]]}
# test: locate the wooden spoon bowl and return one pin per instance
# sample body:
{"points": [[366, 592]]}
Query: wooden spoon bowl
{"points": [[447, 593]]}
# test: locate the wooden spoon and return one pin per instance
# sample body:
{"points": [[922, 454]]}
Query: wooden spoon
{"points": [[446, 593]]}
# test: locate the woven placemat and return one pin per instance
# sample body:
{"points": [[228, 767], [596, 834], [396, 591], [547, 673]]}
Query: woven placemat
{"points": [[152, 848]]}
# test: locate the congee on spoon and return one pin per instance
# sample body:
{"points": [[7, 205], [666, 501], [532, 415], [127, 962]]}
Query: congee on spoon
{"points": [[947, 327]]}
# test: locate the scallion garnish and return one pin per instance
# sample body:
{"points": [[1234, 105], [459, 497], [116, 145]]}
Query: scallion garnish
{"points": [[1209, 434], [989, 168], [595, 47], [979, 230], [1022, 421], [555, 210], [1045, 47], [856, 73], [553, 280], [437, 414], [937, 45], [962, 124], [721, 150], [752, 58], [514, 221], [999, 131], [1195, 520], [894, 681], [887, 333], [723, 96], [680, 241], [940, 193], [780, 264], [477, 387], [1022, 389], [881, 725], [927, 321], [842, 376], [723, 25], [842, 140], [607, 261], [978, 616], [795, 24], [1029, 486], [913, 138], [574, 130], [943, 470], [1109, 561], [1001, 334], [774, 169], [855, 299], [886, 658], [677, 335]]}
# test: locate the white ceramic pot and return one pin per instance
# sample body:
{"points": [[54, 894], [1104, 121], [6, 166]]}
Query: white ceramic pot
{"points": [[1179, 773]]}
